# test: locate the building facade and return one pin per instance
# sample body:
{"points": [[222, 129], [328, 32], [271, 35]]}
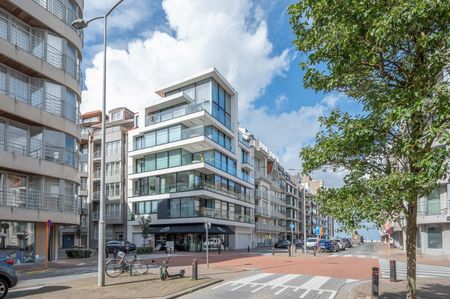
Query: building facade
{"points": [[40, 56], [188, 167], [119, 122]]}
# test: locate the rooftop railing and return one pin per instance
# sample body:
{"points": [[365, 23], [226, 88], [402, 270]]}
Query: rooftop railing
{"points": [[38, 47], [175, 112], [39, 200]]}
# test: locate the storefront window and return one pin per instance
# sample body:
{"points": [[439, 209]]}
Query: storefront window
{"points": [[17, 241], [435, 237]]}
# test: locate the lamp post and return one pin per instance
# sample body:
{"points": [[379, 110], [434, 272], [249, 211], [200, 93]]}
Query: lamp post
{"points": [[81, 24]]}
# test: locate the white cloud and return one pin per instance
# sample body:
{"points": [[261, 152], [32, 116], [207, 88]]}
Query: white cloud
{"points": [[280, 101], [231, 35]]}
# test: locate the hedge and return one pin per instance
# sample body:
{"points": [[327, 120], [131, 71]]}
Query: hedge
{"points": [[78, 253], [144, 250]]}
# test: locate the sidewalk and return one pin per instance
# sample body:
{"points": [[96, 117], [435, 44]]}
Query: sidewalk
{"points": [[400, 255], [427, 288]]}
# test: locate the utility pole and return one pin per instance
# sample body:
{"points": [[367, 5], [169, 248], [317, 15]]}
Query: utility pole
{"points": [[207, 227]]}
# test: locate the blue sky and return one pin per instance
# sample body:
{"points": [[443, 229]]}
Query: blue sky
{"points": [[155, 42]]}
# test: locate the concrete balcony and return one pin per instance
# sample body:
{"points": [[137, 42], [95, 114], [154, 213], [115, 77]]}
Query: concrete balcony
{"points": [[259, 226]]}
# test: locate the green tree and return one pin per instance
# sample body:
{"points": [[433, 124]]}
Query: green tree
{"points": [[144, 223], [389, 57]]}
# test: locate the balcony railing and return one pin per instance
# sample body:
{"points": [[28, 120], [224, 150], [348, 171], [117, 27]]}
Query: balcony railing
{"points": [[21, 144], [97, 174], [269, 227], [244, 141], [225, 215], [17, 86], [97, 154], [175, 112], [261, 211], [59, 9], [431, 207], [38, 47], [38, 200]]}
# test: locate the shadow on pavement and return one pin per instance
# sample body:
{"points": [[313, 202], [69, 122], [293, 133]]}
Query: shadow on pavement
{"points": [[427, 291], [43, 290]]}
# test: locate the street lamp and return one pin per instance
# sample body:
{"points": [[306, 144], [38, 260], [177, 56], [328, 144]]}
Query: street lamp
{"points": [[80, 24]]}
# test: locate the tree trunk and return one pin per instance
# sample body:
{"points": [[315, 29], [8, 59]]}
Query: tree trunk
{"points": [[411, 235]]}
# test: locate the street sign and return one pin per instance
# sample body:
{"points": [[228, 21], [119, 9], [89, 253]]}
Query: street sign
{"points": [[292, 226], [208, 225], [317, 230]]}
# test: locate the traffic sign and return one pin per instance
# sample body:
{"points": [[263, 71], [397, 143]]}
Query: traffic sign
{"points": [[317, 230], [292, 226]]}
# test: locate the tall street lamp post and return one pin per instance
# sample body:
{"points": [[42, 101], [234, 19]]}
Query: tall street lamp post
{"points": [[80, 24]]}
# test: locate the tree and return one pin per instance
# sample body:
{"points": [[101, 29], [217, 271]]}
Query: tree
{"points": [[144, 223], [389, 57], [79, 233]]}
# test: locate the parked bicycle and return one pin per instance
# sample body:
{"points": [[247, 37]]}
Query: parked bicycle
{"points": [[119, 265]]}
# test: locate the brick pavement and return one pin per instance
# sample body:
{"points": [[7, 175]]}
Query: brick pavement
{"points": [[398, 254]]}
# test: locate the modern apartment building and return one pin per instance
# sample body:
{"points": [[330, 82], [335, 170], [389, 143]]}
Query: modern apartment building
{"points": [[270, 193], [40, 55], [186, 167], [119, 122]]}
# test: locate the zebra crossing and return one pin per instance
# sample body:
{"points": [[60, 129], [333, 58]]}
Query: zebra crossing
{"points": [[271, 285], [421, 270]]}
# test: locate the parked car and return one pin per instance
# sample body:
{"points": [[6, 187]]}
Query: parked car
{"points": [[282, 244], [335, 246], [213, 243], [340, 244], [298, 243], [123, 246], [347, 242], [8, 278], [326, 245], [311, 243]]}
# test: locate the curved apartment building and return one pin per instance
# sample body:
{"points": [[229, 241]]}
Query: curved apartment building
{"points": [[40, 57]]}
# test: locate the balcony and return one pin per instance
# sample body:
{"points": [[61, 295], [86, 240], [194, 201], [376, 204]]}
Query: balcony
{"points": [[244, 141], [59, 9], [262, 211], [39, 200], [96, 174], [215, 214], [97, 154], [20, 144], [111, 217], [21, 37], [175, 112], [259, 226], [18, 87], [277, 214]]}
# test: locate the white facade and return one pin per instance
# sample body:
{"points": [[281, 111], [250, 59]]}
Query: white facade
{"points": [[185, 167]]}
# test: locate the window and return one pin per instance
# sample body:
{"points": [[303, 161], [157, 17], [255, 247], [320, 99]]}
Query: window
{"points": [[116, 115], [175, 133], [161, 160], [175, 158], [161, 136], [434, 203], [435, 237], [150, 139]]}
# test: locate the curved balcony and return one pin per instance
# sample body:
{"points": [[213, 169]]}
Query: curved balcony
{"points": [[32, 41]]}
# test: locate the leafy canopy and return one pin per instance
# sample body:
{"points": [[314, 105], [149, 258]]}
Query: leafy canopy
{"points": [[389, 56]]}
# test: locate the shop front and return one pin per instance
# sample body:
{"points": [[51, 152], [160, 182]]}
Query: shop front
{"points": [[190, 237], [17, 240]]}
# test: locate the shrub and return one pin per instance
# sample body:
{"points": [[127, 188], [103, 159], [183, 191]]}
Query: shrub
{"points": [[78, 253], [144, 250]]}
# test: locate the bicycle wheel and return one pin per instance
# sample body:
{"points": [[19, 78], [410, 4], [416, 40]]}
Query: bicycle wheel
{"points": [[140, 266], [114, 268]]}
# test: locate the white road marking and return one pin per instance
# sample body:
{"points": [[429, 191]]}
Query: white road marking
{"points": [[279, 292], [28, 288], [259, 288], [315, 283], [253, 278], [281, 280], [361, 256], [304, 294], [238, 287], [221, 285]]}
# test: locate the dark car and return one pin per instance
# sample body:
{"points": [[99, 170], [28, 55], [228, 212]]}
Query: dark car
{"points": [[298, 243], [347, 242], [8, 278], [117, 246], [282, 244], [326, 245]]}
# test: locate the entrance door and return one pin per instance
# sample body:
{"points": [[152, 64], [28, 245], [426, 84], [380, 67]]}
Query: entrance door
{"points": [[68, 241]]}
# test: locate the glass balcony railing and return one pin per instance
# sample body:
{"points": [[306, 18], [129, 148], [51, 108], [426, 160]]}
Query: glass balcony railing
{"points": [[244, 141], [21, 144], [38, 200], [211, 213], [22, 37], [60, 10], [175, 112], [16, 85]]}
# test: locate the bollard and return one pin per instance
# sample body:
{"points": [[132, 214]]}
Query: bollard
{"points": [[248, 248], [289, 250], [393, 270], [194, 269], [115, 253], [375, 282], [273, 250]]}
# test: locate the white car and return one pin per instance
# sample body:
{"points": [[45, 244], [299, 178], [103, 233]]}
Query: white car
{"points": [[340, 244], [311, 243], [212, 243]]}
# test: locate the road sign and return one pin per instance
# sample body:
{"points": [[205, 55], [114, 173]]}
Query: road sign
{"points": [[208, 225], [317, 230], [292, 226]]}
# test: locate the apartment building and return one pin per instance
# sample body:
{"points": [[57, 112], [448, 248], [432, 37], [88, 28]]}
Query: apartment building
{"points": [[188, 167], [119, 122], [40, 55]]}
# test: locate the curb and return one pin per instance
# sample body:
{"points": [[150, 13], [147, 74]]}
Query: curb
{"points": [[349, 290], [193, 289]]}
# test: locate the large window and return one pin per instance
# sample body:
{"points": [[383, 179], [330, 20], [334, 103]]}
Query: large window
{"points": [[221, 106], [434, 203], [145, 207], [435, 237], [17, 241]]}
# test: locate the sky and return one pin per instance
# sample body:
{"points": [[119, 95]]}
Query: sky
{"points": [[152, 43]]}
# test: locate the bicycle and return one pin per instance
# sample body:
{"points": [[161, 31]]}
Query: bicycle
{"points": [[117, 266]]}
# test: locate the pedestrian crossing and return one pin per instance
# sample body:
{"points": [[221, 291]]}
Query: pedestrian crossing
{"points": [[271, 285], [421, 270]]}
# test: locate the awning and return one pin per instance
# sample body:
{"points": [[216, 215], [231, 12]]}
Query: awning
{"points": [[197, 228]]}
